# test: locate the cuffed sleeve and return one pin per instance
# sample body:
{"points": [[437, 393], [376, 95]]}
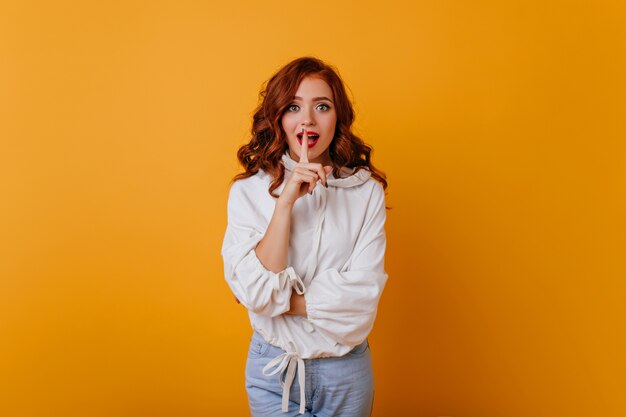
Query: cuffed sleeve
{"points": [[260, 290], [343, 305]]}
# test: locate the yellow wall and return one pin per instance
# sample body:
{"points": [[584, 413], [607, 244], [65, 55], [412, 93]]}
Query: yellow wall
{"points": [[500, 126]]}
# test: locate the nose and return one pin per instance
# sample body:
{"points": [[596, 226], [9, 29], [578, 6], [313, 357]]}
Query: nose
{"points": [[308, 118]]}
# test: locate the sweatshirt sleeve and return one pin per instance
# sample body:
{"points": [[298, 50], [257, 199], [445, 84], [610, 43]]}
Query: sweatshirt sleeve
{"points": [[260, 290], [343, 305]]}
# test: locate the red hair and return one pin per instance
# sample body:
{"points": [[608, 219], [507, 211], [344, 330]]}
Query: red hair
{"points": [[268, 142]]}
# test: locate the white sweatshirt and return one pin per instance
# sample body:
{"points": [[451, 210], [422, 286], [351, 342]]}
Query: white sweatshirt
{"points": [[336, 259]]}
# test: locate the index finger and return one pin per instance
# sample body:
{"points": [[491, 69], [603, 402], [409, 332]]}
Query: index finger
{"points": [[304, 147]]}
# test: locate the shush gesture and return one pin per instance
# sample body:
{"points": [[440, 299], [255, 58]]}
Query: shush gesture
{"points": [[305, 175]]}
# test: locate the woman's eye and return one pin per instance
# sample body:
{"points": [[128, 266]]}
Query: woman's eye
{"points": [[295, 107]]}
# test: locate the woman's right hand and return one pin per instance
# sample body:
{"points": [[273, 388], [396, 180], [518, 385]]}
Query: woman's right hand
{"points": [[304, 176]]}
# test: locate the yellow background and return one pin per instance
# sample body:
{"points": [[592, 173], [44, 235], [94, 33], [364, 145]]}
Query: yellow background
{"points": [[500, 125]]}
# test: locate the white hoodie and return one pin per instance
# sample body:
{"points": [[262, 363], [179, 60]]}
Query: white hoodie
{"points": [[336, 259]]}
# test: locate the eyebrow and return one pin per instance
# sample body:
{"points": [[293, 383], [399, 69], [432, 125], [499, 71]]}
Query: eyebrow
{"points": [[315, 98]]}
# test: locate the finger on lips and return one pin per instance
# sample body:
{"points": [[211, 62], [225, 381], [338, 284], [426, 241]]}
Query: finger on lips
{"points": [[304, 159], [304, 147], [304, 151]]}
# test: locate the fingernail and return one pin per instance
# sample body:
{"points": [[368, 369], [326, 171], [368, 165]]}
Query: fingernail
{"points": [[311, 193], [326, 184]]}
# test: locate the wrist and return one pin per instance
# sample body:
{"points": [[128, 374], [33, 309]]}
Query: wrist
{"points": [[297, 305], [284, 205]]}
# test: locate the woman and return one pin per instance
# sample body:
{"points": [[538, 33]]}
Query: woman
{"points": [[304, 248]]}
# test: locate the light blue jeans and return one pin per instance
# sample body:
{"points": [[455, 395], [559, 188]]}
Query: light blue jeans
{"points": [[339, 387]]}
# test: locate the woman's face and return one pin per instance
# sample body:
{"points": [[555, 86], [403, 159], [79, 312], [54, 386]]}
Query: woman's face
{"points": [[312, 108]]}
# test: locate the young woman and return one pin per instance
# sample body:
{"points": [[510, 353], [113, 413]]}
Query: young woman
{"points": [[304, 248]]}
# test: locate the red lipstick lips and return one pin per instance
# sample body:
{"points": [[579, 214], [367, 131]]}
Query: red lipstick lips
{"points": [[310, 133], [312, 136]]}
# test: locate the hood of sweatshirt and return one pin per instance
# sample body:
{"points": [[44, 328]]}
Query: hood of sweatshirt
{"points": [[349, 178]]}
